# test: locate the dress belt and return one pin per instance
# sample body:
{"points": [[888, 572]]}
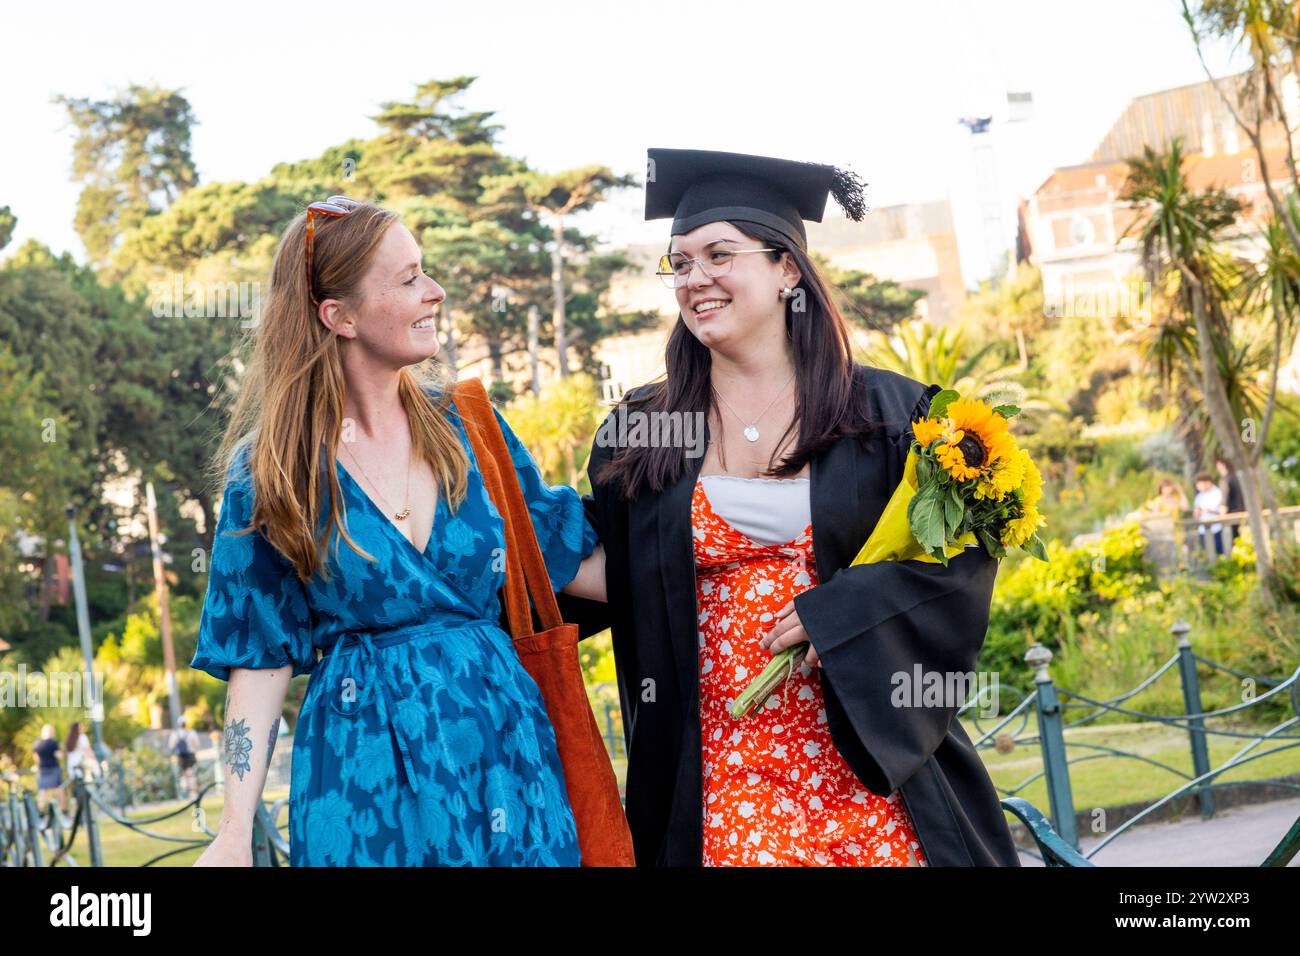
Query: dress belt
{"points": [[385, 700]]}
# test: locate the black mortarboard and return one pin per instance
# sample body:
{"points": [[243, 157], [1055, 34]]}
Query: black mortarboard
{"points": [[698, 186]]}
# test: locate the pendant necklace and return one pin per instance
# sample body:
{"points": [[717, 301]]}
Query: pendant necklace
{"points": [[751, 428], [398, 515]]}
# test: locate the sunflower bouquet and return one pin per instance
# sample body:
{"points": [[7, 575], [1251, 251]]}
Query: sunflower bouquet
{"points": [[965, 482]]}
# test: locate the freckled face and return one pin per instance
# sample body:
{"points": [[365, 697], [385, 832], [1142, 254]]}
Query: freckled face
{"points": [[398, 305]]}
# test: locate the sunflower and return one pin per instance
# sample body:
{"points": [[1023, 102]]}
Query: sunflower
{"points": [[1019, 530], [1033, 484], [978, 441], [1008, 474], [927, 430]]}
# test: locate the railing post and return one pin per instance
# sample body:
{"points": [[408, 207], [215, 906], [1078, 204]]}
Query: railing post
{"points": [[263, 852], [1192, 706], [16, 829], [33, 827], [123, 791], [85, 806], [611, 739], [1052, 741]]}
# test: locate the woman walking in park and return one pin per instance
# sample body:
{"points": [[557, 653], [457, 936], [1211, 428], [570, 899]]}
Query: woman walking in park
{"points": [[716, 562], [49, 772], [355, 522]]}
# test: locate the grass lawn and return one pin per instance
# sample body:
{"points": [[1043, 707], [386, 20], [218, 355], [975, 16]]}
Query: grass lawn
{"points": [[1109, 781]]}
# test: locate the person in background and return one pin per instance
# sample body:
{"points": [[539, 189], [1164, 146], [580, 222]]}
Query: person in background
{"points": [[1160, 520], [49, 775], [184, 743], [82, 761], [81, 755], [1170, 500], [1208, 503], [1233, 500]]}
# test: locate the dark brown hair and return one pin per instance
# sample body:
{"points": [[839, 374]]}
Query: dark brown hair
{"points": [[828, 407]]}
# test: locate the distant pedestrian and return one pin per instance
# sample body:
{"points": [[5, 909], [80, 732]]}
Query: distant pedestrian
{"points": [[81, 755], [184, 744], [1208, 503], [49, 774], [82, 762], [1233, 500]]}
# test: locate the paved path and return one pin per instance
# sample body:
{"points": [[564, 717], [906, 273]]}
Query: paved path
{"points": [[1239, 836]]}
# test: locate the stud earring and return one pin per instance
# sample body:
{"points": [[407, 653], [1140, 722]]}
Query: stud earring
{"points": [[785, 293]]}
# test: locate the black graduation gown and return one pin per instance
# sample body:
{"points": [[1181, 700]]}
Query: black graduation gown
{"points": [[866, 622]]}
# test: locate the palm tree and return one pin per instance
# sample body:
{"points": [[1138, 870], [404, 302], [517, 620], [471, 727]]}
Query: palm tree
{"points": [[1178, 230], [940, 355], [1273, 290]]}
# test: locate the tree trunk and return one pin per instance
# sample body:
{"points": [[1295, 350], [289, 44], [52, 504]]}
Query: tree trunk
{"points": [[209, 521], [557, 290], [47, 581], [449, 341], [494, 352], [534, 322], [1216, 402], [1269, 497]]}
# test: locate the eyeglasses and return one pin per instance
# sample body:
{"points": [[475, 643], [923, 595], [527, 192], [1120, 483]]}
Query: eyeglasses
{"points": [[675, 268], [335, 207]]}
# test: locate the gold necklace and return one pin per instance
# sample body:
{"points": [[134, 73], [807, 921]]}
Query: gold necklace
{"points": [[399, 515]]}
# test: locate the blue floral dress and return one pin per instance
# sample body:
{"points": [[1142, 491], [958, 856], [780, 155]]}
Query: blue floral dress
{"points": [[422, 741]]}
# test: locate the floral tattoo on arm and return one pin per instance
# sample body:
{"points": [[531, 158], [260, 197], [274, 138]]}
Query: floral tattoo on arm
{"points": [[236, 747]]}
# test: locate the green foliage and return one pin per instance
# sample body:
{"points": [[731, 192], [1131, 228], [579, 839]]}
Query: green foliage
{"points": [[1044, 601], [1107, 621], [133, 155], [558, 426], [867, 301]]}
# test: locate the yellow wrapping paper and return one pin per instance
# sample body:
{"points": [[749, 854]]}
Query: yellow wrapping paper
{"points": [[892, 538]]}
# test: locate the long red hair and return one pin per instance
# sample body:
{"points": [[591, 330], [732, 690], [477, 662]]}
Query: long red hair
{"points": [[290, 400]]}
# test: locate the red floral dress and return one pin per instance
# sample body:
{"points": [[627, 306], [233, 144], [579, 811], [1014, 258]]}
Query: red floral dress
{"points": [[776, 791]]}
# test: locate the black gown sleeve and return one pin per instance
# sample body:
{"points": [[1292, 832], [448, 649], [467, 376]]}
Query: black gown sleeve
{"points": [[871, 622]]}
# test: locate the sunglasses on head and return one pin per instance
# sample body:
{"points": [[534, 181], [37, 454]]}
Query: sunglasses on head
{"points": [[333, 207]]}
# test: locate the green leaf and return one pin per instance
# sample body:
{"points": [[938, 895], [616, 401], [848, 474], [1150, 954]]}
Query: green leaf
{"points": [[1036, 548], [1007, 411], [952, 512], [924, 471], [925, 513], [939, 404]]}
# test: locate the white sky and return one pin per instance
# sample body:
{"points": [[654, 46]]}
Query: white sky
{"points": [[876, 86]]}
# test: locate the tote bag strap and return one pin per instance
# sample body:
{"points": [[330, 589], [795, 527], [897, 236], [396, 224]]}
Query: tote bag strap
{"points": [[526, 574]]}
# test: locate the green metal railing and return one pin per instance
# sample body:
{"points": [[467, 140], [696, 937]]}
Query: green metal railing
{"points": [[1050, 704], [31, 837]]}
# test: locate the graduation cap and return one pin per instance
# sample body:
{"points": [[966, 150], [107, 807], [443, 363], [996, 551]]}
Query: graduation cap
{"points": [[698, 186]]}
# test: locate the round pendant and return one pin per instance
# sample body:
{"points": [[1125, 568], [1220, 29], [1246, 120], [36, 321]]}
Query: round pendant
{"points": [[751, 433]]}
